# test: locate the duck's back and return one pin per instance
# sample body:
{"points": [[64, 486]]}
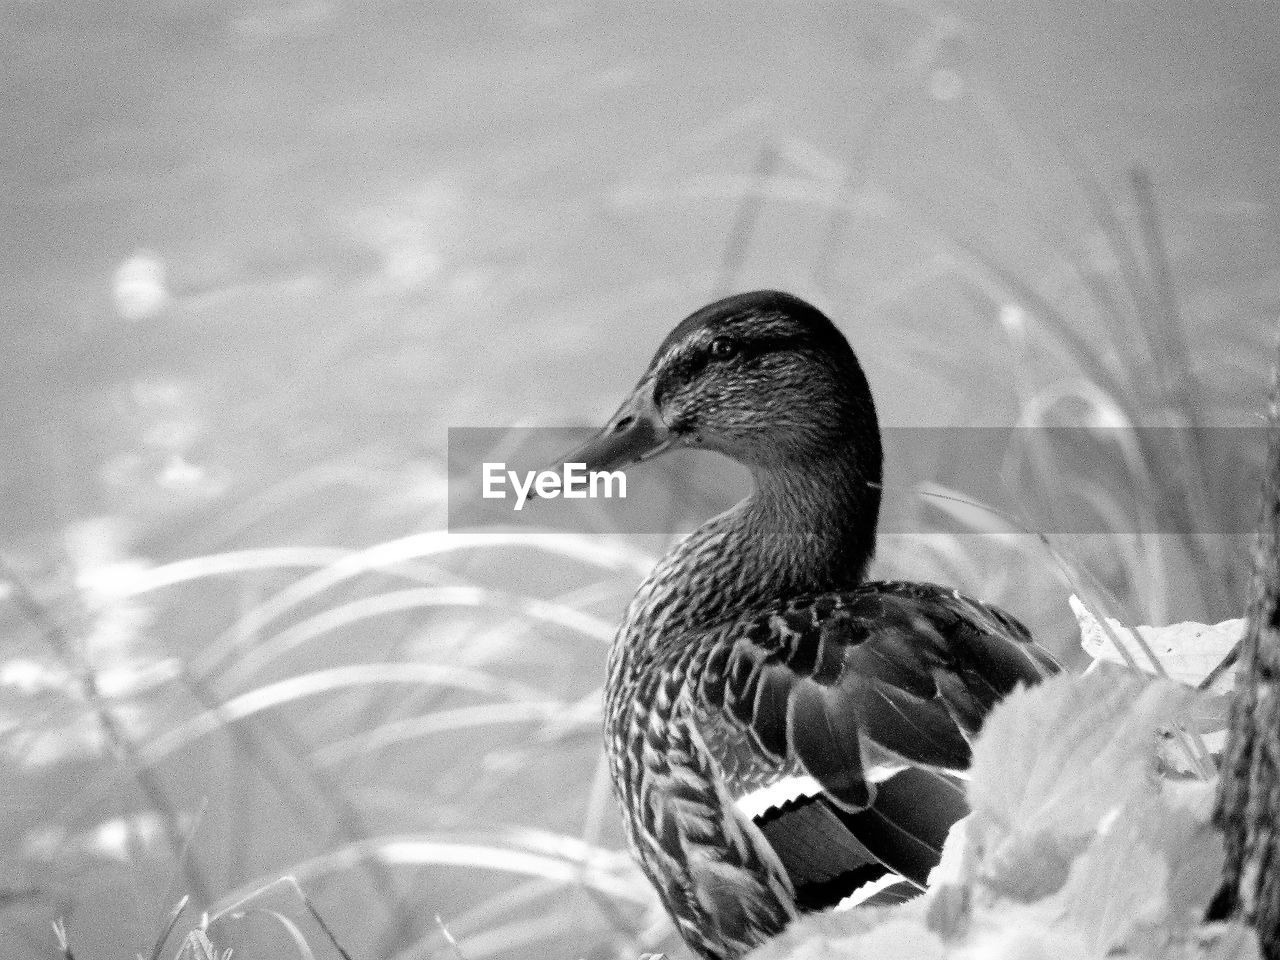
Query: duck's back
{"points": [[846, 687], [831, 684]]}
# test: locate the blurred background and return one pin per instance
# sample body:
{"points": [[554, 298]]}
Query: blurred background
{"points": [[260, 256]]}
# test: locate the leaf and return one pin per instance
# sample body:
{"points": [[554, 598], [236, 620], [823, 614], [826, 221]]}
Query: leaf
{"points": [[1187, 651], [859, 934], [1051, 763], [291, 928], [1075, 836], [1222, 941], [197, 947], [1017, 932], [1138, 889], [1118, 887]]}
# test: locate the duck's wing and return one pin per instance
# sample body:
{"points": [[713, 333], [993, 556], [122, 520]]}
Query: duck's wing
{"points": [[829, 853], [835, 682]]}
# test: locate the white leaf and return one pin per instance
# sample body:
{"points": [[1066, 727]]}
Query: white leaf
{"points": [[1052, 764], [1187, 651]]}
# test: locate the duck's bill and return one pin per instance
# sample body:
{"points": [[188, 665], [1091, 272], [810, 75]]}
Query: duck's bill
{"points": [[635, 433]]}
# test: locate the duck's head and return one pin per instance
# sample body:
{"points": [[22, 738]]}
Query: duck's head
{"points": [[763, 378]]}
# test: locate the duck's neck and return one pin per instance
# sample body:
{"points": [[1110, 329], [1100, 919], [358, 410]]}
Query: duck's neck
{"points": [[801, 532], [813, 528]]}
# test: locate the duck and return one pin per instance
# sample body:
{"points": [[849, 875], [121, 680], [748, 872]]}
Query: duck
{"points": [[756, 654]]}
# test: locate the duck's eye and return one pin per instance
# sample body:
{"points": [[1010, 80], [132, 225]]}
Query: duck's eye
{"points": [[722, 348]]}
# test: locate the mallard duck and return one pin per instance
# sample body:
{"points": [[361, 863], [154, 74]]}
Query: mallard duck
{"points": [[757, 651]]}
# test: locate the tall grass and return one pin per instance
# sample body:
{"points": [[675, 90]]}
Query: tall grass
{"points": [[392, 771]]}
